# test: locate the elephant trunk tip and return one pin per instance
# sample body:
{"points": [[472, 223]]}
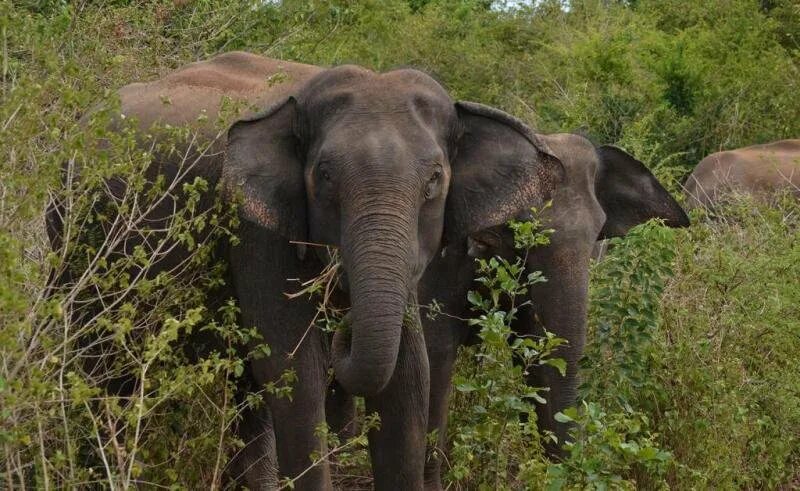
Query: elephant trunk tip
{"points": [[358, 381]]}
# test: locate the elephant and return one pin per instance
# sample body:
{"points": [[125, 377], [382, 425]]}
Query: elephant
{"points": [[757, 170], [605, 192], [363, 162]]}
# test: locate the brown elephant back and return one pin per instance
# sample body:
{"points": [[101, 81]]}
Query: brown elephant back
{"points": [[758, 170], [184, 95]]}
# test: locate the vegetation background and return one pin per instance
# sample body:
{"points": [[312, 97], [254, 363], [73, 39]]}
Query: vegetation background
{"points": [[691, 374]]}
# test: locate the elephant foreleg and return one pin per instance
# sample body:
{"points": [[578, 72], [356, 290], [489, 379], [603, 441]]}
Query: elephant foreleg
{"points": [[256, 463], [397, 449], [259, 277], [441, 363], [297, 419]]}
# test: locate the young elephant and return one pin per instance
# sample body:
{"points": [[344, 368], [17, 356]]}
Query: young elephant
{"points": [[361, 161], [605, 192], [758, 169]]}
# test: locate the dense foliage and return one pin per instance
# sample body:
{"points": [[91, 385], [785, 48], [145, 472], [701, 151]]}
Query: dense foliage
{"points": [[690, 376]]}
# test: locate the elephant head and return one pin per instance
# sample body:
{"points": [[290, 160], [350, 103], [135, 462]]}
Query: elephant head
{"points": [[363, 161]]}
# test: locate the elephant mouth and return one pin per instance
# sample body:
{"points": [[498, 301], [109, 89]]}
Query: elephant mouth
{"points": [[329, 256]]}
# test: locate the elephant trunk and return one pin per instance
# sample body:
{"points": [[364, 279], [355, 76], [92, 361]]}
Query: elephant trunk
{"points": [[377, 244]]}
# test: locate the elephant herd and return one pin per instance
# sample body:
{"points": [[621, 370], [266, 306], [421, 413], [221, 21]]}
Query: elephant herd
{"points": [[409, 186]]}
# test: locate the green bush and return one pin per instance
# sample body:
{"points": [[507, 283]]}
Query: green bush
{"points": [[493, 415], [625, 318], [615, 443], [80, 322], [695, 368], [729, 348]]}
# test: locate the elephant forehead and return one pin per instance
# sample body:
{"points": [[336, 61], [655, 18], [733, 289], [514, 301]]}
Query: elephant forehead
{"points": [[383, 129], [378, 98], [360, 91], [352, 76], [382, 140]]}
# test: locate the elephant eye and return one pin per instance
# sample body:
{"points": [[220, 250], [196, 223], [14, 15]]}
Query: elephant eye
{"points": [[322, 172], [476, 248], [433, 185]]}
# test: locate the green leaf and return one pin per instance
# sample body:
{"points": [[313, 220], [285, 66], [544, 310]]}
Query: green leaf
{"points": [[562, 418], [558, 363]]}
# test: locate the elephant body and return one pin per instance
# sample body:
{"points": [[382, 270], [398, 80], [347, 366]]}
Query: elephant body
{"points": [[604, 193], [757, 170], [360, 161]]}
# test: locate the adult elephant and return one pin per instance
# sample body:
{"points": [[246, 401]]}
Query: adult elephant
{"points": [[361, 161], [756, 170], [605, 192]]}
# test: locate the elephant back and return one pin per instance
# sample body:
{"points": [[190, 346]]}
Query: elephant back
{"points": [[758, 170]]}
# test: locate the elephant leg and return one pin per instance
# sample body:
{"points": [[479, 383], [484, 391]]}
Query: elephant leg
{"points": [[560, 306], [340, 410], [442, 349], [296, 435], [255, 465], [441, 375], [259, 269], [397, 449], [296, 418]]}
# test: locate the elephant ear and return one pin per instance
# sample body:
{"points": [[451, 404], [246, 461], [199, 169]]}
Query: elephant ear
{"points": [[630, 194], [262, 167], [500, 169]]}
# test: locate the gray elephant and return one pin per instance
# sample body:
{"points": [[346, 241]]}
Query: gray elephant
{"points": [[361, 161], [757, 170], [605, 192]]}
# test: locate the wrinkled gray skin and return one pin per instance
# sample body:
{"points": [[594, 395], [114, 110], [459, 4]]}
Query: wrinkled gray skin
{"points": [[361, 161], [757, 170], [605, 192]]}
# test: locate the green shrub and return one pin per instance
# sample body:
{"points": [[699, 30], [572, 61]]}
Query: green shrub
{"points": [[695, 369], [615, 442], [104, 321], [624, 318], [80, 321], [490, 439], [729, 348]]}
